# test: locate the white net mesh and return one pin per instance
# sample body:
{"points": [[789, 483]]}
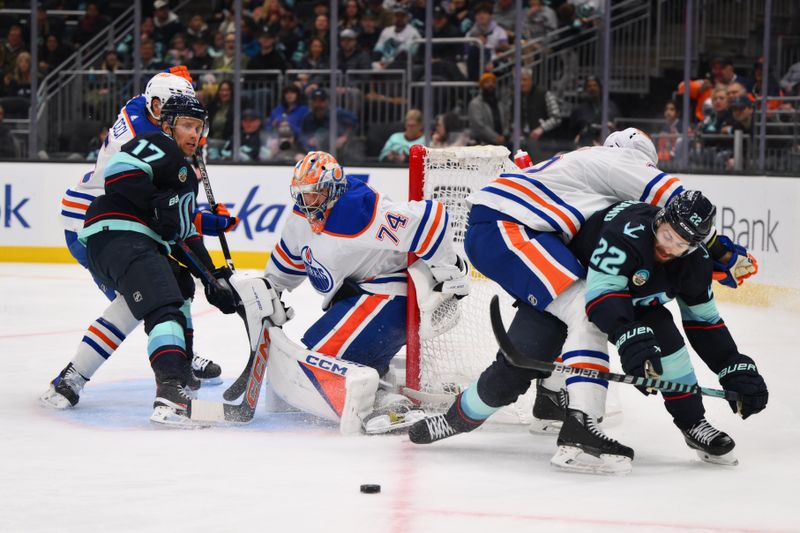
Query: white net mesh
{"points": [[453, 360]]}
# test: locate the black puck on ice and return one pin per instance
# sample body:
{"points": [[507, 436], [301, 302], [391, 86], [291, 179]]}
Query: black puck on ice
{"points": [[370, 489]]}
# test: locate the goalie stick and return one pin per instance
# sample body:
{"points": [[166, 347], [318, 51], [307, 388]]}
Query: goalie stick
{"points": [[518, 359]]}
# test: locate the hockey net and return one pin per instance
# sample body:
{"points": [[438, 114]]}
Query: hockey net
{"points": [[453, 360]]}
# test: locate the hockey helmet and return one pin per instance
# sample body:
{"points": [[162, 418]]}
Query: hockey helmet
{"points": [[183, 106], [320, 173], [635, 139], [162, 86], [691, 215]]}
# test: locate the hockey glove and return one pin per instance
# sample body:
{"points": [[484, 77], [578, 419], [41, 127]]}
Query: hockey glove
{"points": [[211, 224], [639, 352], [453, 279], [738, 268], [166, 217], [181, 71], [221, 295], [741, 375]]}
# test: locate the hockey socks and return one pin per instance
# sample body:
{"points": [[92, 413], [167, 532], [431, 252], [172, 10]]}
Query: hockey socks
{"points": [[103, 337]]}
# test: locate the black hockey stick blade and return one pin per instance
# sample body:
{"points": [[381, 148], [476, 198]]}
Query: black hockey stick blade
{"points": [[238, 387], [203, 411], [516, 358]]}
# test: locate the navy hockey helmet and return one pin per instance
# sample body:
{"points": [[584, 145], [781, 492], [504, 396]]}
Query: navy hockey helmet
{"points": [[691, 215], [182, 105]]}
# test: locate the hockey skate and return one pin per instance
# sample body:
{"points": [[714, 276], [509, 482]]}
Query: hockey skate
{"points": [[548, 410], [393, 413], [206, 370], [440, 427], [712, 445], [584, 448], [171, 406], [64, 391]]}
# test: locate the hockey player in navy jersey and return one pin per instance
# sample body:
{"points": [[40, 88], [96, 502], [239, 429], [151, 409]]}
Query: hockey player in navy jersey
{"points": [[149, 200], [639, 257], [352, 244], [519, 229], [139, 116]]}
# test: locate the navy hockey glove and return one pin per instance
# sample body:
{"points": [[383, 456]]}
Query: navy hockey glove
{"points": [[741, 375], [166, 216], [637, 344], [221, 296], [738, 268]]}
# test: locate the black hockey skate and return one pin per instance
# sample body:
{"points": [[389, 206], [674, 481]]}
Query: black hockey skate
{"points": [[549, 410], [65, 390], [440, 427], [172, 403], [583, 447], [711, 444], [206, 370]]}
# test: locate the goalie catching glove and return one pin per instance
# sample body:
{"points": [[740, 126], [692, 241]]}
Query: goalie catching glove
{"points": [[741, 375], [738, 268], [452, 279]]}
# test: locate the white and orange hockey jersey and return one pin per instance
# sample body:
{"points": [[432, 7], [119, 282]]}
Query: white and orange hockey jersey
{"points": [[559, 194], [131, 121], [366, 240]]}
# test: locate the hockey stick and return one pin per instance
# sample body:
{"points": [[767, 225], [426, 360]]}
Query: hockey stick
{"points": [[207, 275], [226, 252], [518, 359], [418, 395], [242, 413]]}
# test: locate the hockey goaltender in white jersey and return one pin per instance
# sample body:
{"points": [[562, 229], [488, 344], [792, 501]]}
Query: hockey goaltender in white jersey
{"points": [[352, 243]]}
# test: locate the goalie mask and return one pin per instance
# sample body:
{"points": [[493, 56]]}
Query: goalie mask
{"points": [[162, 86], [317, 184]]}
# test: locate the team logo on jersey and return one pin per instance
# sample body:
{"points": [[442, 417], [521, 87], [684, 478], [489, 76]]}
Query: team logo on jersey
{"points": [[640, 277], [137, 297], [319, 276], [183, 173]]}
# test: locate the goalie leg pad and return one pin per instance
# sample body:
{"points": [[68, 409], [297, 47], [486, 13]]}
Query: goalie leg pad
{"points": [[333, 389]]}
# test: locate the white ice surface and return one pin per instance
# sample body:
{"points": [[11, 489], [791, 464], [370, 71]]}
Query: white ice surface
{"points": [[103, 467]]}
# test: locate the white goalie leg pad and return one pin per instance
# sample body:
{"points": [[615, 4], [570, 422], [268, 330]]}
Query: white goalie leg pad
{"points": [[586, 347], [333, 389], [260, 301], [438, 313]]}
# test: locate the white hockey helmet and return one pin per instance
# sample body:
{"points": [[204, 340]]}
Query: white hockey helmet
{"points": [[162, 86], [635, 139]]}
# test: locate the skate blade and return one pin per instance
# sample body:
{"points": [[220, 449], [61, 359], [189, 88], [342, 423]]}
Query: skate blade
{"points": [[392, 423], [211, 382], [53, 400], [574, 459], [165, 417], [727, 459], [541, 426]]}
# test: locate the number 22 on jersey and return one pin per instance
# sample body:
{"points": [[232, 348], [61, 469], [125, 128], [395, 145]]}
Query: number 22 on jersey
{"points": [[607, 258]]}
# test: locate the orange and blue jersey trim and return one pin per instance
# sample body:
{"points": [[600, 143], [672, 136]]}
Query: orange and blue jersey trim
{"points": [[662, 187], [74, 204], [431, 234], [287, 262]]}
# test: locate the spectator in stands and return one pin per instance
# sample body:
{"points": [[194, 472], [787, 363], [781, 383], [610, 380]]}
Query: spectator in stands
{"points": [[321, 29], [317, 56], [268, 15], [166, 22], [443, 28], [370, 32], [586, 120], [321, 7], [90, 25], [727, 75], [225, 62], [290, 37], [491, 34], [395, 42], [201, 59], [291, 110], [669, 135], [250, 33], [460, 16], [96, 143], [197, 28], [9, 148], [505, 14], [700, 94], [351, 57], [540, 116], [790, 82], [316, 125], [384, 17], [351, 17], [773, 86], [487, 119], [539, 20], [18, 82], [268, 58], [253, 141], [224, 16], [52, 54], [11, 48], [178, 53], [49, 25], [220, 113], [282, 146], [734, 90], [399, 144], [444, 133], [742, 112], [217, 43], [719, 119], [149, 60]]}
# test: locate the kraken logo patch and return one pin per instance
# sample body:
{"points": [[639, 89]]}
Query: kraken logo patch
{"points": [[183, 173], [640, 277]]}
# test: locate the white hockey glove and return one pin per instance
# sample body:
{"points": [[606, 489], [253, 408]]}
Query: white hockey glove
{"points": [[452, 279], [260, 302]]}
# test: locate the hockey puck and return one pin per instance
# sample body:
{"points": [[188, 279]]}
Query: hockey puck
{"points": [[370, 489]]}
